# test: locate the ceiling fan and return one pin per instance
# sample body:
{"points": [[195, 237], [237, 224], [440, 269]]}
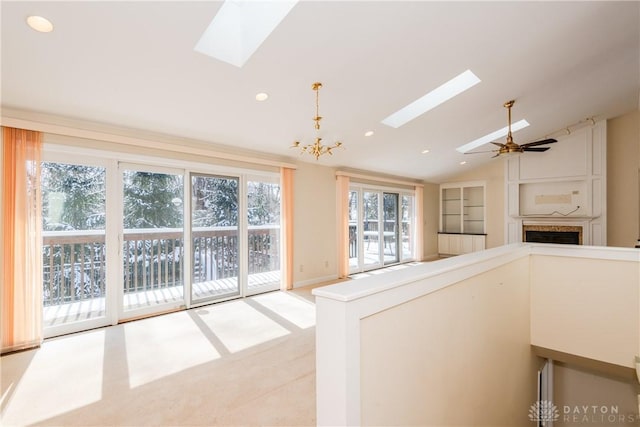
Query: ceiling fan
{"points": [[512, 147]]}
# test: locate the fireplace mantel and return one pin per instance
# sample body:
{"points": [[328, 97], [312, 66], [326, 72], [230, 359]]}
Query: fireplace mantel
{"points": [[562, 187]]}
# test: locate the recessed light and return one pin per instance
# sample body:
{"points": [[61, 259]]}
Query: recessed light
{"points": [[262, 96], [425, 151], [463, 162], [493, 136], [437, 96], [240, 27], [369, 133], [40, 24]]}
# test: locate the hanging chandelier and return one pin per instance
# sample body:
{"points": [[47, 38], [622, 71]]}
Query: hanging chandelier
{"points": [[316, 149]]}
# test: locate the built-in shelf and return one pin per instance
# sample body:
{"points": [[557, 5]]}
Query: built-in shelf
{"points": [[462, 218]]}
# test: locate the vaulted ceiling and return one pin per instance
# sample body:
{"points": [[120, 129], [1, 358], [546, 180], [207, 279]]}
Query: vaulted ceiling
{"points": [[132, 64]]}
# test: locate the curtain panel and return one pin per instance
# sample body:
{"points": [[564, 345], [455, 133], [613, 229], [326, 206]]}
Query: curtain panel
{"points": [[419, 231], [21, 288], [342, 203]]}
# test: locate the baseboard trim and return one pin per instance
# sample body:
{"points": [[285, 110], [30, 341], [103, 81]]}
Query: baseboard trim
{"points": [[315, 281]]}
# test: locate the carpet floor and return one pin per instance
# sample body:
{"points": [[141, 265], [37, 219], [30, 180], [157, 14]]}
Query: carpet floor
{"points": [[243, 362]]}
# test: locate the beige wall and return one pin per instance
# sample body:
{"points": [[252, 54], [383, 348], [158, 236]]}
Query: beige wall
{"points": [[493, 174], [476, 368], [430, 220], [576, 388], [594, 311], [623, 164], [315, 224]]}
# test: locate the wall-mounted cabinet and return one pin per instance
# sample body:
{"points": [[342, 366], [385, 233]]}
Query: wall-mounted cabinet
{"points": [[462, 218]]}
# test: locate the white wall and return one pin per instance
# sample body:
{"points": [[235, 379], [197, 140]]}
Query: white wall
{"points": [[563, 186]]}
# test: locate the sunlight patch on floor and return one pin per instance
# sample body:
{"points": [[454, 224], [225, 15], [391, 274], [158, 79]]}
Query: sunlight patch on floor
{"points": [[239, 326], [300, 312], [164, 345], [67, 376]]}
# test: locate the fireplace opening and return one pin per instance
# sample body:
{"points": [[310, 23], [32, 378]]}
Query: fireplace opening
{"points": [[560, 237], [560, 234]]}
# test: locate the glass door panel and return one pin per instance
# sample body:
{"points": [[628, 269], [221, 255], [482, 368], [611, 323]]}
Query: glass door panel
{"points": [[214, 237], [73, 239], [371, 230], [389, 233], [152, 246], [353, 230], [406, 229], [263, 217]]}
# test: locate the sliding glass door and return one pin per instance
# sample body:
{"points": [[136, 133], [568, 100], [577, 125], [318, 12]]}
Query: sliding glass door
{"points": [[389, 232], [74, 249], [354, 229], [152, 240], [263, 235], [214, 238], [372, 244], [386, 220], [125, 240], [407, 214]]}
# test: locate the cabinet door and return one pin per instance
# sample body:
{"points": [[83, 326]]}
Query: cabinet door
{"points": [[466, 244], [455, 244], [479, 243], [443, 244]]}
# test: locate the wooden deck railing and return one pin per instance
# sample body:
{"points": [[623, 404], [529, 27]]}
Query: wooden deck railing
{"points": [[74, 261]]}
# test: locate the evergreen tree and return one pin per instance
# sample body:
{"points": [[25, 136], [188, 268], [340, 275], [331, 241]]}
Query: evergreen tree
{"points": [[152, 200], [73, 197]]}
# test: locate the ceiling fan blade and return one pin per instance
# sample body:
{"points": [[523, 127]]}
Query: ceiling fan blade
{"points": [[536, 149], [498, 144], [541, 142], [481, 152]]}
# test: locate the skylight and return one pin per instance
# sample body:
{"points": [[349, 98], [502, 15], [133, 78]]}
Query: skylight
{"points": [[437, 96], [493, 136], [240, 27]]}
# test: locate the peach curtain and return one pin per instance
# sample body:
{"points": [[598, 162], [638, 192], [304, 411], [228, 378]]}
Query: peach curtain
{"points": [[419, 233], [286, 184], [21, 287], [342, 203]]}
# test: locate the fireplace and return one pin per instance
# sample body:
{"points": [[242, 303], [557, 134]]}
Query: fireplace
{"points": [[561, 234]]}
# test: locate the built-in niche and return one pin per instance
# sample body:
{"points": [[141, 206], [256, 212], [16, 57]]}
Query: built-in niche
{"points": [[549, 199]]}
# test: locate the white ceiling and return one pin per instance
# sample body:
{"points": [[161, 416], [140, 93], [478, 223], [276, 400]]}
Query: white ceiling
{"points": [[132, 64]]}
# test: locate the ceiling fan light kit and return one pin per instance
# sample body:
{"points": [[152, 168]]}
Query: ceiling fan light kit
{"points": [[317, 149]]}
